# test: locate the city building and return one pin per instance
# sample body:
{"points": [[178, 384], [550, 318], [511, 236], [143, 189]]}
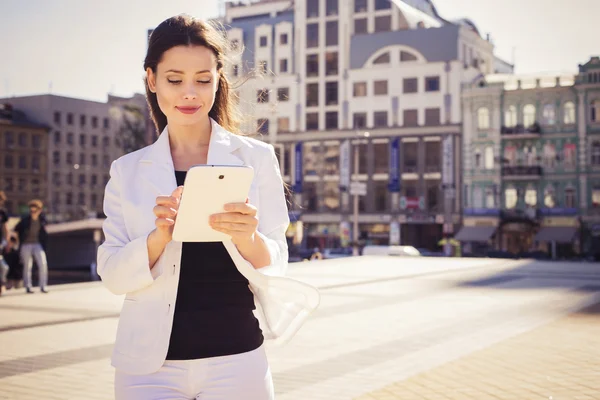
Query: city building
{"points": [[365, 91], [531, 172], [83, 141], [23, 159]]}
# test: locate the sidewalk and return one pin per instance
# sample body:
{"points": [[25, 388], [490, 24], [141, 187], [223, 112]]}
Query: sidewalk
{"points": [[558, 361]]}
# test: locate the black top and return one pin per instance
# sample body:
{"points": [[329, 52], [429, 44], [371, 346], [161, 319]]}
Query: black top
{"points": [[3, 220], [22, 229], [213, 312]]}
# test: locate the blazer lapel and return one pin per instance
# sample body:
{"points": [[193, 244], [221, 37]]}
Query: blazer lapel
{"points": [[157, 162]]}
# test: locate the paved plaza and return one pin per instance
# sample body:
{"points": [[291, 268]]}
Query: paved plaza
{"points": [[387, 328]]}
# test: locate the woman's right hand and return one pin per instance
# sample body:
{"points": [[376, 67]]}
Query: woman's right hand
{"points": [[166, 213]]}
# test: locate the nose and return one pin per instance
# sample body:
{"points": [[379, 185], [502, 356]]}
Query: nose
{"points": [[190, 92]]}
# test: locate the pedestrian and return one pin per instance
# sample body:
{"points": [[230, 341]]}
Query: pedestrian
{"points": [[32, 235], [195, 315], [4, 267], [13, 259]]}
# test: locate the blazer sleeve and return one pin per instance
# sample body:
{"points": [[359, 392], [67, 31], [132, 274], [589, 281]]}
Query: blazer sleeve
{"points": [[273, 214], [123, 263]]}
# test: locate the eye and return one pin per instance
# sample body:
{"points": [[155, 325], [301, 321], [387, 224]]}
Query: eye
{"points": [[205, 82], [173, 82]]}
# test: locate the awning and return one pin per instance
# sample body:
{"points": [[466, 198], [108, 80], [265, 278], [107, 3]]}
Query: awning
{"points": [[558, 234], [475, 233]]}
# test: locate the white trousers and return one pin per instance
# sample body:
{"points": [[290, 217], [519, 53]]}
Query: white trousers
{"points": [[28, 253], [244, 376]]}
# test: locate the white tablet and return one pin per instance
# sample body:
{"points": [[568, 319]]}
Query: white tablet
{"points": [[206, 190]]}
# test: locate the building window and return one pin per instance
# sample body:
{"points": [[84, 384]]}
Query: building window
{"points": [[489, 158], [381, 196], [382, 157], [22, 162], [331, 7], [70, 118], [380, 88], [106, 123], [410, 152], [331, 33], [406, 56], [383, 23], [483, 118], [69, 179], [94, 201], [570, 199], [331, 63], [360, 26], [359, 120], [331, 120], [549, 114], [433, 156], [36, 141], [382, 5], [56, 158], [432, 116], [283, 66], [283, 39], [94, 122], [81, 158], [359, 89], [81, 179], [22, 139], [70, 139], [94, 180], [531, 197], [569, 113], [331, 93], [312, 35], [528, 115], [410, 85], [262, 67], [312, 65], [56, 178], [595, 111], [477, 158], [549, 197], [57, 137], [411, 117], [69, 198], [263, 41], [380, 119], [82, 140], [105, 161], [312, 121], [94, 160], [490, 198], [105, 142], [312, 94], [510, 117], [283, 124], [9, 139], [596, 153], [94, 141], [283, 94], [22, 185], [262, 96], [382, 59], [262, 126], [477, 197], [69, 158], [81, 199], [82, 120], [360, 6], [57, 117], [510, 198], [432, 84], [312, 8]]}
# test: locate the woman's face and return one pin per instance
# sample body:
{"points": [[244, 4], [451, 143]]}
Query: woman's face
{"points": [[185, 84]]}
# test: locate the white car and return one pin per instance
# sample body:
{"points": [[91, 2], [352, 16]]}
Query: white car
{"points": [[402, 251]]}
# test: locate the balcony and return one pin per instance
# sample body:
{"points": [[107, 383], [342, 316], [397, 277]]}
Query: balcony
{"points": [[524, 172], [520, 132]]}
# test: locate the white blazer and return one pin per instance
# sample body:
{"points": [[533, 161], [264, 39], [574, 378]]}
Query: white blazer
{"points": [[144, 329]]}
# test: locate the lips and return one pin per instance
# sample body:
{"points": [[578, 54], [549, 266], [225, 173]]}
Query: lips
{"points": [[188, 110]]}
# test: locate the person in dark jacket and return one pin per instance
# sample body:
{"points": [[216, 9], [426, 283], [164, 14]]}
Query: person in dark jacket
{"points": [[3, 238], [33, 237], [13, 259]]}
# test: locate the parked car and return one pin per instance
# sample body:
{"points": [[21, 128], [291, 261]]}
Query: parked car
{"points": [[402, 251], [337, 253], [429, 253]]}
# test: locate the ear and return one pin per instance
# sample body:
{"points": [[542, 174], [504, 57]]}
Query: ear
{"points": [[151, 79]]}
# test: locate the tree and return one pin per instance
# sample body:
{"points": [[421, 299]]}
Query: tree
{"points": [[132, 131]]}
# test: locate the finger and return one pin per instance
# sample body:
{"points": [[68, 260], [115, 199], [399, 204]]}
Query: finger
{"points": [[234, 218], [242, 208], [233, 227], [167, 201], [163, 223], [164, 212], [177, 192]]}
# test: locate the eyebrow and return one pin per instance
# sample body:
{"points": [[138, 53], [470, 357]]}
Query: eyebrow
{"points": [[181, 72]]}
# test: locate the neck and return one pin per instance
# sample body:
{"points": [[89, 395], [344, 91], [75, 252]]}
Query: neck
{"points": [[184, 138], [35, 217]]}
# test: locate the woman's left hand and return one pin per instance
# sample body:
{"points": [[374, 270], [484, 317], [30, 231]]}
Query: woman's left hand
{"points": [[238, 221]]}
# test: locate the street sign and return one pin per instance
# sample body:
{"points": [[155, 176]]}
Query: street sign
{"points": [[358, 188]]}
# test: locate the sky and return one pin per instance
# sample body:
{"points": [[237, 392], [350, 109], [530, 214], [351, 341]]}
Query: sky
{"points": [[88, 49]]}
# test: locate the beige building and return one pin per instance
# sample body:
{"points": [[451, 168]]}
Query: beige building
{"points": [[23, 159]]}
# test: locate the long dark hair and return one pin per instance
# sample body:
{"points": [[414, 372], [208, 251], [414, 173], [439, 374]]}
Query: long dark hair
{"points": [[184, 30]]}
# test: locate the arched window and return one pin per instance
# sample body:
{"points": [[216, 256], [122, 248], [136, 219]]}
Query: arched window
{"points": [[510, 197], [549, 197], [569, 113], [570, 197], [595, 111], [477, 159], [531, 196], [382, 59], [528, 115], [595, 153], [483, 118], [489, 157], [510, 117], [407, 56], [549, 114]]}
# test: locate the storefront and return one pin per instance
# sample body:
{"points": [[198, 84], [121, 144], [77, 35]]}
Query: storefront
{"points": [[479, 234], [421, 231], [558, 235]]}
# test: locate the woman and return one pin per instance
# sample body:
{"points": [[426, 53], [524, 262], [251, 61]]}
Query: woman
{"points": [[190, 327]]}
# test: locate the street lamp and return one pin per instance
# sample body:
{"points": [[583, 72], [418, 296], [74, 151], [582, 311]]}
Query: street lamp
{"points": [[355, 251]]}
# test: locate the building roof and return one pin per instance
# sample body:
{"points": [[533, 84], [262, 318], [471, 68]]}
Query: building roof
{"points": [[14, 117]]}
